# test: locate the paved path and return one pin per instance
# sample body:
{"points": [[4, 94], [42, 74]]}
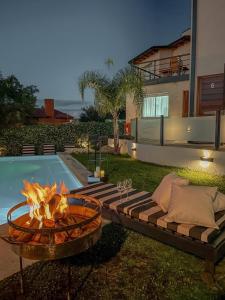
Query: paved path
{"points": [[9, 262]]}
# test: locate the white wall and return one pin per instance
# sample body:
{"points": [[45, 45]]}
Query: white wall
{"points": [[179, 157], [173, 89], [210, 44]]}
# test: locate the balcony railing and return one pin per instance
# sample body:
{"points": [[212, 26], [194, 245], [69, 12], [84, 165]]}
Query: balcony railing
{"points": [[165, 68]]}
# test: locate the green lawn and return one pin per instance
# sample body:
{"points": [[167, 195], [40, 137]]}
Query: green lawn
{"points": [[147, 176], [125, 264]]}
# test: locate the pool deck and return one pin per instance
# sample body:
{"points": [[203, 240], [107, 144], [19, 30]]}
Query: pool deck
{"points": [[9, 262], [75, 167]]}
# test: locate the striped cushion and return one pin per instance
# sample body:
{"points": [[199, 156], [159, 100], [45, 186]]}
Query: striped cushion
{"points": [[48, 149], [139, 205], [28, 150]]}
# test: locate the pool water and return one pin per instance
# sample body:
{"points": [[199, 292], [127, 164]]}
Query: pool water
{"points": [[42, 169]]}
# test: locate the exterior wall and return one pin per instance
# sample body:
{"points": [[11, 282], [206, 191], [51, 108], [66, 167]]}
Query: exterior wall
{"points": [[151, 57], [179, 157], [173, 89], [182, 49], [210, 42], [175, 92], [131, 109]]}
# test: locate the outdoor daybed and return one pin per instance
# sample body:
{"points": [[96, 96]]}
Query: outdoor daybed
{"points": [[140, 213]]}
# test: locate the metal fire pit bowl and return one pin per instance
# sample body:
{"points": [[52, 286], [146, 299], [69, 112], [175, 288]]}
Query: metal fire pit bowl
{"points": [[86, 209]]}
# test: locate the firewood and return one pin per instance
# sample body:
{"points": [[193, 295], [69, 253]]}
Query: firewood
{"points": [[44, 239], [58, 216], [53, 203], [13, 232], [48, 223], [36, 237], [76, 233], [60, 237], [24, 237]]}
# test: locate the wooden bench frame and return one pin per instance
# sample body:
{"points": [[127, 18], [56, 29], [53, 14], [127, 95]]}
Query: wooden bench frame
{"points": [[212, 252]]}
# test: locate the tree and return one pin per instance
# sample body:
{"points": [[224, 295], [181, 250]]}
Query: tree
{"points": [[90, 113], [17, 102], [111, 93]]}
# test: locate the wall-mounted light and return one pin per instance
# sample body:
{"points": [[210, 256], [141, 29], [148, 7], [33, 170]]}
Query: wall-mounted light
{"points": [[188, 128], [207, 156], [209, 159], [133, 147]]}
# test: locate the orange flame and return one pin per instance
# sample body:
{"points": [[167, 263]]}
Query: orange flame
{"points": [[44, 201]]}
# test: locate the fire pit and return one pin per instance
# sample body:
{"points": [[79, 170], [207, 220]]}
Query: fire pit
{"points": [[58, 224]]}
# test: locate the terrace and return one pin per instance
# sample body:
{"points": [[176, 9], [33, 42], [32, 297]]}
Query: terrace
{"points": [[168, 69]]}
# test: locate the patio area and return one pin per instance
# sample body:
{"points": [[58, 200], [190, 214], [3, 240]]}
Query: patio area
{"points": [[108, 270]]}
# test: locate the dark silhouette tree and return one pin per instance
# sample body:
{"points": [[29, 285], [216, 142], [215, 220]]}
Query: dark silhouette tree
{"points": [[17, 102]]}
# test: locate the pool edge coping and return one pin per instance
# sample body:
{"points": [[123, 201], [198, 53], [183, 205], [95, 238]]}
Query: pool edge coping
{"points": [[75, 167]]}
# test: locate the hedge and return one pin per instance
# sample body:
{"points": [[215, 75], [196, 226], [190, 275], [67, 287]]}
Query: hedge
{"points": [[14, 138]]}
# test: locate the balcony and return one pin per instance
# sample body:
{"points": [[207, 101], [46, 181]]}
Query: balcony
{"points": [[169, 69]]}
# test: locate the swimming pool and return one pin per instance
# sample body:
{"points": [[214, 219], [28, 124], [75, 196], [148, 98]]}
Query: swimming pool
{"points": [[43, 169]]}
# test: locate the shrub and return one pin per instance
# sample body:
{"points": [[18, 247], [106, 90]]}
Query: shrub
{"points": [[14, 138]]}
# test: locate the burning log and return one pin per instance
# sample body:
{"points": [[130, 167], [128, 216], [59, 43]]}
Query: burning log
{"points": [[53, 204], [49, 211]]}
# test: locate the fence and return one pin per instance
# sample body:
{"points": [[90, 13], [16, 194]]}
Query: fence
{"points": [[178, 130]]}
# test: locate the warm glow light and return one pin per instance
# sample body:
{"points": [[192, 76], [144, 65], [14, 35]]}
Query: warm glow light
{"points": [[207, 156], [188, 128], [133, 148], [206, 159], [45, 203], [204, 164], [206, 153]]}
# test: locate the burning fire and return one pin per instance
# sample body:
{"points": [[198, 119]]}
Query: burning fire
{"points": [[49, 209], [47, 203]]}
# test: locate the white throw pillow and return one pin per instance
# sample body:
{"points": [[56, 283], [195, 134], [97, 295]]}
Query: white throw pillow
{"points": [[192, 205], [219, 202], [163, 192]]}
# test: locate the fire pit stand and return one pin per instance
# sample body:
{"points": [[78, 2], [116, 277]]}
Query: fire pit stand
{"points": [[82, 234], [22, 290]]}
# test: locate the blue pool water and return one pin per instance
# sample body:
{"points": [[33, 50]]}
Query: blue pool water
{"points": [[43, 169]]}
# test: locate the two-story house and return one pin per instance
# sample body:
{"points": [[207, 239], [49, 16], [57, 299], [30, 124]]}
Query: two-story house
{"points": [[165, 70], [186, 77]]}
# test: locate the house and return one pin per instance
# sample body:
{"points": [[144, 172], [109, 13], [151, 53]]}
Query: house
{"points": [[165, 70], [207, 57], [47, 114], [186, 77]]}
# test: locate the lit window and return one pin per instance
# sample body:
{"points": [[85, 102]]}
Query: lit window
{"points": [[155, 106]]}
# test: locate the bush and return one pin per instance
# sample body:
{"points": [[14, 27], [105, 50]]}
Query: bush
{"points": [[14, 138], [3, 150]]}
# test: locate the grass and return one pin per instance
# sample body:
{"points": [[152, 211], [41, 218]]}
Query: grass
{"points": [[125, 264], [146, 176]]}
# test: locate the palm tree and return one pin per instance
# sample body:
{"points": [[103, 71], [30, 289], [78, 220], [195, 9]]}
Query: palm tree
{"points": [[111, 93]]}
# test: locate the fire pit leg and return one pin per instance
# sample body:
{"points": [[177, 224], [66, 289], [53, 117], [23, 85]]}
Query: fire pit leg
{"points": [[69, 281], [21, 275]]}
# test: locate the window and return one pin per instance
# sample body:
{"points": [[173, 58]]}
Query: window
{"points": [[155, 106]]}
